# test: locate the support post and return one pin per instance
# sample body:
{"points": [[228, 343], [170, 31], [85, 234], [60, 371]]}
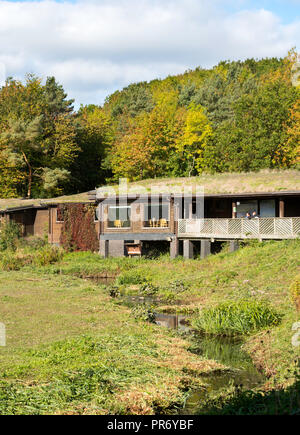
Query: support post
{"points": [[205, 248], [116, 248], [281, 208], [233, 245], [104, 246], [174, 248], [234, 210], [188, 249]]}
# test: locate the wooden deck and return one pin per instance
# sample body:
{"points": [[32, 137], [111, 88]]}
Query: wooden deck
{"points": [[238, 229]]}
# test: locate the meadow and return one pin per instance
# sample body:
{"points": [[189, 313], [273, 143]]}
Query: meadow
{"points": [[73, 348]]}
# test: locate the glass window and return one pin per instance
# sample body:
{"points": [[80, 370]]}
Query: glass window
{"points": [[60, 214], [119, 216], [246, 206], [156, 215], [267, 208]]}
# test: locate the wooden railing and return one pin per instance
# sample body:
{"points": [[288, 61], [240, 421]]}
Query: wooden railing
{"points": [[258, 228]]}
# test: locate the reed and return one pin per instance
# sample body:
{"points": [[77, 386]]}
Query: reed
{"points": [[237, 318]]}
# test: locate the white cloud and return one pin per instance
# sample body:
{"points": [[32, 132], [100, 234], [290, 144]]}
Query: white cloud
{"points": [[94, 47]]}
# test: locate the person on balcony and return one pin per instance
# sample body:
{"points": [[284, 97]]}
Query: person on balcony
{"points": [[255, 215], [248, 215]]}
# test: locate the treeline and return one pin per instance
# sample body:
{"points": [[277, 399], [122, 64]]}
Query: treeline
{"points": [[237, 116]]}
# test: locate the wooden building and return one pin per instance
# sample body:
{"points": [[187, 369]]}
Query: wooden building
{"points": [[125, 224]]}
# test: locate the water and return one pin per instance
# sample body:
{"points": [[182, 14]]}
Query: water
{"points": [[241, 371], [103, 280]]}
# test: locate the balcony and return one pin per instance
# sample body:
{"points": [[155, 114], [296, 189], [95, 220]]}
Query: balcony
{"points": [[259, 228]]}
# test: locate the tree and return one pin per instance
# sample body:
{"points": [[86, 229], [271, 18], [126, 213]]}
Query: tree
{"points": [[95, 134], [196, 135], [21, 139], [37, 133]]}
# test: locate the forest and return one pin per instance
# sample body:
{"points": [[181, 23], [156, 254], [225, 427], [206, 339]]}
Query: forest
{"points": [[238, 116]]}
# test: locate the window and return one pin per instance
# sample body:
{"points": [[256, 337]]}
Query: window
{"points": [[267, 208], [156, 215], [246, 206], [119, 216], [60, 212]]}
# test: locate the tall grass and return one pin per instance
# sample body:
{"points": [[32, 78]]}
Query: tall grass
{"points": [[237, 318]]}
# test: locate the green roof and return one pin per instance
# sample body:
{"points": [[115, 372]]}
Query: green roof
{"points": [[225, 183], [267, 181]]}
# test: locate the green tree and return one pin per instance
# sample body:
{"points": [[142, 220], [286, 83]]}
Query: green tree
{"points": [[196, 135], [38, 135]]}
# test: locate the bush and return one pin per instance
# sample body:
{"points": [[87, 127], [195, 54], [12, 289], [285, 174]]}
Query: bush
{"points": [[178, 286], [10, 262], [47, 255], [148, 289], [235, 318], [10, 232], [114, 292], [33, 242], [143, 312], [295, 291], [131, 277]]}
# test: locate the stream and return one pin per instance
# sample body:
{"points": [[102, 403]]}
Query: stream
{"points": [[226, 350]]}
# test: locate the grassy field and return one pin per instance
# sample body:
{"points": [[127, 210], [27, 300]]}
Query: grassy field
{"points": [[71, 348]]}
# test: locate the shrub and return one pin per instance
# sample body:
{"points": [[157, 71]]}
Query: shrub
{"points": [[114, 292], [131, 277], [148, 289], [10, 262], [143, 312], [47, 255], [234, 318], [10, 232], [178, 286], [33, 242]]}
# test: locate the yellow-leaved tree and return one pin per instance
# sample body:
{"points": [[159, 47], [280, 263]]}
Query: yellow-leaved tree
{"points": [[196, 134]]}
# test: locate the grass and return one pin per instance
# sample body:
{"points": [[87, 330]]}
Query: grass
{"points": [[74, 349], [261, 181], [236, 318], [71, 349]]}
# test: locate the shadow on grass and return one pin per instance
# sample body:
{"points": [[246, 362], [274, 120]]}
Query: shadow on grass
{"points": [[274, 402]]}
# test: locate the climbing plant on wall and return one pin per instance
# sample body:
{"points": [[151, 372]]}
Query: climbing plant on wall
{"points": [[78, 232]]}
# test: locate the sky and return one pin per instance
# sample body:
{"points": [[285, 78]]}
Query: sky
{"points": [[94, 47]]}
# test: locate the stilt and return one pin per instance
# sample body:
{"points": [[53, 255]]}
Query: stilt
{"points": [[174, 248], [104, 246], [205, 248], [233, 245], [188, 249]]}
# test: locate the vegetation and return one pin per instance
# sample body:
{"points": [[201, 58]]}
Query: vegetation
{"points": [[78, 231], [295, 291], [235, 117], [236, 318], [10, 233], [72, 348]]}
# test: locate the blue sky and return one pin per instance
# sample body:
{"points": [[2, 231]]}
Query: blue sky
{"points": [[94, 47]]}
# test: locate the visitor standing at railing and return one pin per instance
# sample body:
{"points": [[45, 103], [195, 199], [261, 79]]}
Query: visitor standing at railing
{"points": [[255, 215]]}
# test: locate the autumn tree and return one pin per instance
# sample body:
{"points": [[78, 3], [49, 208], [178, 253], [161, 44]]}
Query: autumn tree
{"points": [[38, 136]]}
